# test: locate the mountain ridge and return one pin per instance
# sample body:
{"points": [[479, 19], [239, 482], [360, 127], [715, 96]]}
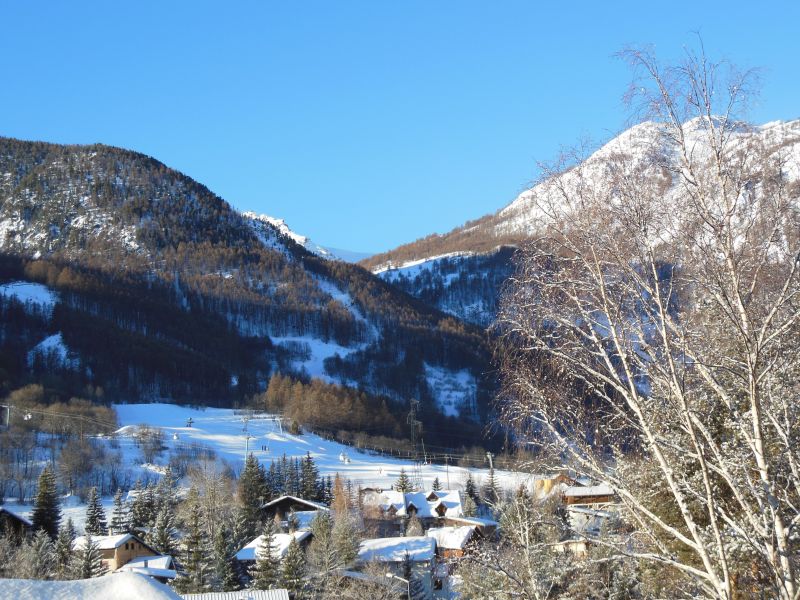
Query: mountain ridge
{"points": [[111, 219]]}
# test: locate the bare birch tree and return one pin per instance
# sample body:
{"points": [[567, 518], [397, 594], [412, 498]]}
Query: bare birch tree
{"points": [[650, 335]]}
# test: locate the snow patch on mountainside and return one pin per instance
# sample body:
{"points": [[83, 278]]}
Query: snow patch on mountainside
{"points": [[454, 391], [312, 353], [412, 268], [31, 294], [279, 225], [53, 348], [526, 215]]}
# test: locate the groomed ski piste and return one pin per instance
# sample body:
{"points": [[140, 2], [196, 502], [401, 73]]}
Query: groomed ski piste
{"points": [[222, 430]]}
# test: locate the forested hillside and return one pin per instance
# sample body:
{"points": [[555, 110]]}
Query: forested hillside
{"points": [[160, 289]]}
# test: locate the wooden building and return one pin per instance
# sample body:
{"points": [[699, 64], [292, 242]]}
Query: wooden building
{"points": [[117, 550]]}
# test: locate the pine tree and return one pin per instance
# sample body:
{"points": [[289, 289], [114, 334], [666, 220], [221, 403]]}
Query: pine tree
{"points": [[89, 561], [491, 490], [294, 568], [119, 516], [162, 535], [267, 571], [294, 478], [345, 540], [143, 512], [469, 488], [436, 484], [47, 508], [308, 477], [252, 491], [403, 483], [95, 515], [239, 533], [194, 542], [223, 576], [63, 549], [328, 491], [166, 490], [322, 552], [42, 555], [469, 508]]}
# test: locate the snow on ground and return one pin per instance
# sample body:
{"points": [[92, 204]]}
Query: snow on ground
{"points": [[223, 430], [71, 508], [55, 348], [317, 351], [34, 294], [455, 392], [342, 297], [282, 228], [412, 268], [117, 586]]}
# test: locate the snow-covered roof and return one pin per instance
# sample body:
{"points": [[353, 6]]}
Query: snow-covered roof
{"points": [[449, 499], [240, 595], [281, 542], [119, 586], [106, 542], [451, 538], [156, 562], [591, 490], [310, 503], [149, 571], [478, 521], [395, 549], [17, 516]]}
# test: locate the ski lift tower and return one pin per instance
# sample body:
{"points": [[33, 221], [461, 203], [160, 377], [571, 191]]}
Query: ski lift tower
{"points": [[415, 427]]}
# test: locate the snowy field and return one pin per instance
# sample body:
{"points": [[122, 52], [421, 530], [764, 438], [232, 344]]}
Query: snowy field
{"points": [[223, 431]]}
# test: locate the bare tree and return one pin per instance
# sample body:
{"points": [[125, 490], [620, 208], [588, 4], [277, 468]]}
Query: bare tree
{"points": [[650, 335]]}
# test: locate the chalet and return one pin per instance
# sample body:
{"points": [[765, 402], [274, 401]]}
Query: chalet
{"points": [[428, 507], [13, 524], [117, 550], [285, 505], [451, 541], [592, 495], [252, 551], [393, 552], [160, 568]]}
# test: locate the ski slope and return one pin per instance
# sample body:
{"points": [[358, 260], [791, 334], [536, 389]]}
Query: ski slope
{"points": [[223, 430]]}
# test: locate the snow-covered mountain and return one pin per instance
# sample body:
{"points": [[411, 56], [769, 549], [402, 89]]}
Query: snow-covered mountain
{"points": [[165, 291], [462, 271], [257, 221]]}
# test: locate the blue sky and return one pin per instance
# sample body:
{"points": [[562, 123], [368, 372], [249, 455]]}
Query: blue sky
{"points": [[363, 124]]}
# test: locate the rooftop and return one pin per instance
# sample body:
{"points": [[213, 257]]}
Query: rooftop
{"points": [[281, 541], [395, 549]]}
